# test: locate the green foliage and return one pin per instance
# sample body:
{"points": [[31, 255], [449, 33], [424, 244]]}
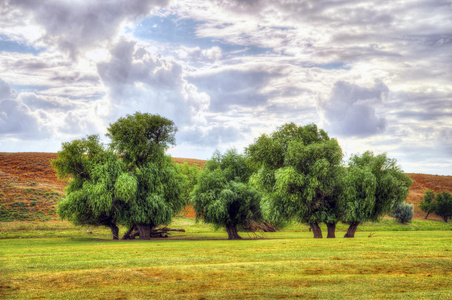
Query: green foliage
{"points": [[90, 193], [190, 176], [298, 169], [141, 138], [381, 182], [132, 182], [403, 212], [221, 198], [427, 205], [357, 199], [443, 205]]}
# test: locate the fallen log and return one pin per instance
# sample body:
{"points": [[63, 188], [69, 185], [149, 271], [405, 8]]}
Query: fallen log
{"points": [[132, 233]]}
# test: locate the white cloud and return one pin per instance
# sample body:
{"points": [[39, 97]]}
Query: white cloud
{"points": [[139, 81], [350, 109]]}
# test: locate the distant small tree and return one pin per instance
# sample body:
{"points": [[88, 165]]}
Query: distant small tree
{"points": [[428, 205], [403, 212], [222, 197], [443, 205]]}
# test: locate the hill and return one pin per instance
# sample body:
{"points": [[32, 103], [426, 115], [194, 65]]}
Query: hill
{"points": [[30, 190]]}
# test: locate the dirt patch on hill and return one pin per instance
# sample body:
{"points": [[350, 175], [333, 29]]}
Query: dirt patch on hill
{"points": [[30, 189], [423, 182]]}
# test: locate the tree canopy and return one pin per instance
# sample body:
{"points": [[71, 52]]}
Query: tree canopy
{"points": [[427, 204], [222, 196], [372, 187], [298, 170], [132, 182], [443, 205]]}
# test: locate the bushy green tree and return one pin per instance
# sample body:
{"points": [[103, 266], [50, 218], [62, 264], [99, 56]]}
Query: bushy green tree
{"points": [[403, 212], [298, 168], [133, 183], [374, 184], [91, 197], [428, 205], [222, 197], [443, 205]]}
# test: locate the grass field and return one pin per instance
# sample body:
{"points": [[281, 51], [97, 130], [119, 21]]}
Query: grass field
{"points": [[55, 260]]}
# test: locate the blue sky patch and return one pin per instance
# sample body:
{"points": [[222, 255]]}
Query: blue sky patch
{"points": [[13, 46], [333, 66], [182, 32]]}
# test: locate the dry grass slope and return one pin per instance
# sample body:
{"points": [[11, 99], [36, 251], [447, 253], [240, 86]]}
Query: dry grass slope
{"points": [[29, 186]]}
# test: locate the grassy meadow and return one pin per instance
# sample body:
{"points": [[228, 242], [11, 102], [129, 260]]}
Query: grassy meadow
{"points": [[386, 260]]}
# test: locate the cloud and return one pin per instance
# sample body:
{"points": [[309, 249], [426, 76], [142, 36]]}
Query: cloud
{"points": [[16, 119], [198, 55], [350, 109], [73, 25], [211, 136], [228, 87], [137, 80]]}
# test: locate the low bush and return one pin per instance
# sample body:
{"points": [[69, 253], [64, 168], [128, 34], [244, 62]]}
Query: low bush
{"points": [[403, 212]]}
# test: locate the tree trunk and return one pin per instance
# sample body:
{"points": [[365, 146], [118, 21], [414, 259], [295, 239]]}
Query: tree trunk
{"points": [[427, 215], [127, 235], [331, 230], [317, 231], [145, 231], [351, 230], [445, 219], [232, 233], [114, 231]]}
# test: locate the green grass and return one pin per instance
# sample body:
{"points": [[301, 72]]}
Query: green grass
{"points": [[55, 260]]}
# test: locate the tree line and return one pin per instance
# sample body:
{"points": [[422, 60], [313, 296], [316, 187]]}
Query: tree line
{"points": [[295, 173]]}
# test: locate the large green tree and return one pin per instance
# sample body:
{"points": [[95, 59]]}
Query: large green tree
{"points": [[222, 196], [133, 183], [372, 187], [298, 168], [92, 196]]}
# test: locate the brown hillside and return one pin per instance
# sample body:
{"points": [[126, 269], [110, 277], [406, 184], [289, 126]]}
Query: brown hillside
{"points": [[30, 189], [423, 182], [29, 186]]}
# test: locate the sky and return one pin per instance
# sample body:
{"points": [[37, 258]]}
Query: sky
{"points": [[375, 75]]}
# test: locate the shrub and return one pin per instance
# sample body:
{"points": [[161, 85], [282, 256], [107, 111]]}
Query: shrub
{"points": [[403, 212]]}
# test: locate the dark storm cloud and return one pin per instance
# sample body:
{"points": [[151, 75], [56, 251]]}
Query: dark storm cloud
{"points": [[77, 24], [350, 110]]}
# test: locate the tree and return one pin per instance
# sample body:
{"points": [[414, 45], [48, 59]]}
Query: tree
{"points": [[222, 197], [403, 212], [427, 205], [374, 184], [298, 169], [443, 205], [91, 197], [133, 183]]}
